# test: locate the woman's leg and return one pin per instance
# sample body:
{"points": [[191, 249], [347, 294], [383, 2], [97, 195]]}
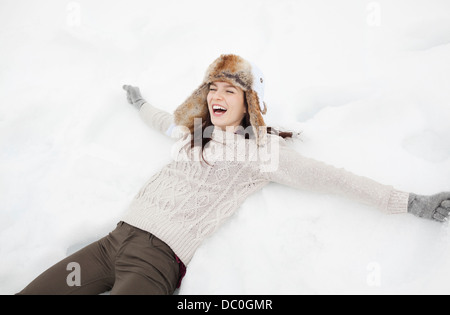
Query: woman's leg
{"points": [[145, 265], [128, 261], [88, 271]]}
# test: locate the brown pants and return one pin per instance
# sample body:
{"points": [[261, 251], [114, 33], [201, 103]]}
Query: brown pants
{"points": [[127, 261]]}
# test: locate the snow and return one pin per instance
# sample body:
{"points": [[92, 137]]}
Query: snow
{"points": [[367, 82]]}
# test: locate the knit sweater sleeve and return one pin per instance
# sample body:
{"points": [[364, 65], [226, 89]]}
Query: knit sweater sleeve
{"points": [[301, 172], [158, 119]]}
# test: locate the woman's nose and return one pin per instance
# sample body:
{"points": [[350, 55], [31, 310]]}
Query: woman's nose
{"points": [[217, 95]]}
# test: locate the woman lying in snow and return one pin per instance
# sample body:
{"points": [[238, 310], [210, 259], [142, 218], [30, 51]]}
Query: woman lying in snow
{"points": [[223, 153]]}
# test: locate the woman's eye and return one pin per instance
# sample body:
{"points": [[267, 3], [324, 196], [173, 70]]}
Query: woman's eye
{"points": [[213, 90]]}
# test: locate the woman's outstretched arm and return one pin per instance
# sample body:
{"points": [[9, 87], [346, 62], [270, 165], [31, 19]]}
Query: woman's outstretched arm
{"points": [[152, 116], [301, 172]]}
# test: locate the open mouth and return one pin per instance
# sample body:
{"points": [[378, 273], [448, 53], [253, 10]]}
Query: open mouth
{"points": [[219, 110]]}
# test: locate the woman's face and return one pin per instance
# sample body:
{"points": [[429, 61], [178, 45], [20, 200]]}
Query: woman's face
{"points": [[226, 105]]}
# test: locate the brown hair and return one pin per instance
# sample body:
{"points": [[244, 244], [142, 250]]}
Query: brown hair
{"points": [[205, 137]]}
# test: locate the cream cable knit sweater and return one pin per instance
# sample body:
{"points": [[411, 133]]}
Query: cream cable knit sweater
{"points": [[187, 200]]}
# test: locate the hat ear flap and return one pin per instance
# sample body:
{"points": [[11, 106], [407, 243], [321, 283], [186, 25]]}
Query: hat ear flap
{"points": [[255, 113], [195, 106]]}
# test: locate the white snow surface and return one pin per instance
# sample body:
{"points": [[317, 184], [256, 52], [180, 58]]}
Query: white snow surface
{"points": [[367, 83]]}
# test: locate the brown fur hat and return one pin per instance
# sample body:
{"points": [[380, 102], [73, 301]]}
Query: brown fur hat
{"points": [[234, 70]]}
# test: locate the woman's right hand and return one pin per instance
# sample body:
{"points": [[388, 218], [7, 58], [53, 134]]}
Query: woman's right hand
{"points": [[134, 96]]}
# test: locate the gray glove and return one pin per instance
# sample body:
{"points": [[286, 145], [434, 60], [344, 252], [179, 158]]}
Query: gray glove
{"points": [[134, 96], [436, 207]]}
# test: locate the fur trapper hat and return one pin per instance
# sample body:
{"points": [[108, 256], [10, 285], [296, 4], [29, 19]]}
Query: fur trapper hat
{"points": [[238, 72]]}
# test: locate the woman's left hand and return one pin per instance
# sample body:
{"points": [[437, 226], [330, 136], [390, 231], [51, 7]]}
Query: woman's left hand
{"points": [[436, 207]]}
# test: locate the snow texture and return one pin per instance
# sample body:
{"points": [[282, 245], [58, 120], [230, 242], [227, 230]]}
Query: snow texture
{"points": [[367, 82]]}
